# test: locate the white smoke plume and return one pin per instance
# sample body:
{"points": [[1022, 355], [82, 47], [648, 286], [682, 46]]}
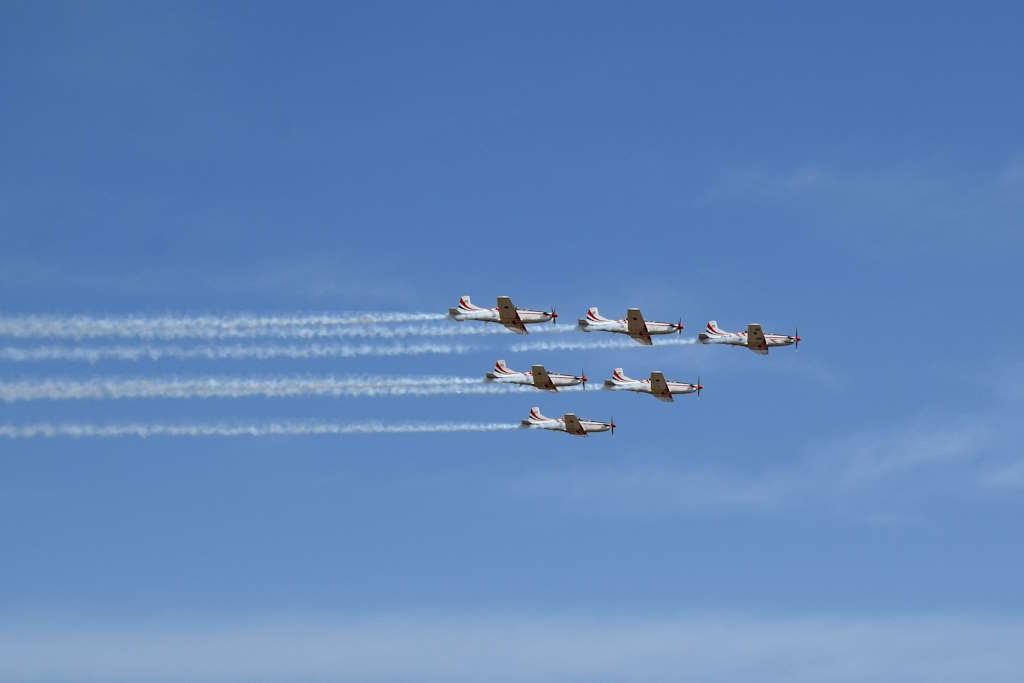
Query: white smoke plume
{"points": [[258, 429], [95, 354], [192, 326], [586, 344], [268, 387], [213, 328]]}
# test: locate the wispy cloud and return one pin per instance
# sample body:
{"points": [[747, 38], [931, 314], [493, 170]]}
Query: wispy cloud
{"points": [[831, 474], [628, 489], [516, 647], [895, 205], [872, 456], [1009, 477]]}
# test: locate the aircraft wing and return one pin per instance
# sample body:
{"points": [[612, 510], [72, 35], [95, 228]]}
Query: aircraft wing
{"points": [[659, 387], [636, 327], [755, 339], [573, 426], [541, 380], [508, 315]]}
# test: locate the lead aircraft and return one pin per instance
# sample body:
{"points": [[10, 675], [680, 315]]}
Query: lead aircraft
{"points": [[568, 423], [536, 377], [515, 319], [634, 325], [754, 338], [657, 386]]}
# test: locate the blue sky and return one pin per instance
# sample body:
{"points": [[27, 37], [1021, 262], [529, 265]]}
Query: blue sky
{"points": [[846, 510]]}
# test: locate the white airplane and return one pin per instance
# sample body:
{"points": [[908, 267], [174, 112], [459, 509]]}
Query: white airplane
{"points": [[515, 319], [536, 377], [754, 338], [568, 423], [634, 325], [657, 386]]}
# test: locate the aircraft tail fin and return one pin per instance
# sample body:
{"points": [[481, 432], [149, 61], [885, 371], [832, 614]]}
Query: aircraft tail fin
{"points": [[466, 305], [713, 328], [535, 415], [594, 316], [500, 368]]}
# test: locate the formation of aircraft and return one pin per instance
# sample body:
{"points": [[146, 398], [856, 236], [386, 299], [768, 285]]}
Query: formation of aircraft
{"points": [[515, 319], [568, 423], [634, 325], [538, 377], [754, 338], [657, 386]]}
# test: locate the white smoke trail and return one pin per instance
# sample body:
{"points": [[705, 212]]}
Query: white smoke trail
{"points": [[369, 332], [196, 326], [270, 387], [147, 430], [585, 344], [453, 330], [212, 328], [95, 354]]}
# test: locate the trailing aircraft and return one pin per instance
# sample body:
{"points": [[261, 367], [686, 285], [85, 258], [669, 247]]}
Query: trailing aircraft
{"points": [[568, 423], [536, 377], [657, 386], [634, 325], [754, 338], [515, 319]]}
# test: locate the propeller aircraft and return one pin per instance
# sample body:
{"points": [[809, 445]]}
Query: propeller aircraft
{"points": [[754, 338], [536, 377], [515, 319], [657, 386], [568, 423], [634, 325]]}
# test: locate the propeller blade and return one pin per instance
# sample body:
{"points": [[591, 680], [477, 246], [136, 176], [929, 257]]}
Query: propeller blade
{"points": [[796, 339], [612, 423], [554, 316], [679, 326], [583, 379], [699, 386]]}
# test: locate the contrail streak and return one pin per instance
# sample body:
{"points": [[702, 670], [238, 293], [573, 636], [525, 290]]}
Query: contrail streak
{"points": [[185, 326], [584, 344], [271, 387], [95, 354], [146, 430]]}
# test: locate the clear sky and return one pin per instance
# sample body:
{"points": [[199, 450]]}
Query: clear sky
{"points": [[848, 511]]}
